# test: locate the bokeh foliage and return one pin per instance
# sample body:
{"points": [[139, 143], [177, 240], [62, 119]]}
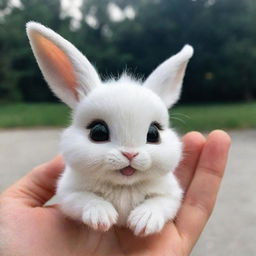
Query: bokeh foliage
{"points": [[222, 32]]}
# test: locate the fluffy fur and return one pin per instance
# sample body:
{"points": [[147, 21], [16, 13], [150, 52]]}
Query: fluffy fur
{"points": [[92, 189]]}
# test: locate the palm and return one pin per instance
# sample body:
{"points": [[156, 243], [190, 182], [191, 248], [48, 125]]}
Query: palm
{"points": [[71, 238], [46, 231]]}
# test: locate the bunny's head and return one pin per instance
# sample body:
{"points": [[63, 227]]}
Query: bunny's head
{"points": [[120, 131]]}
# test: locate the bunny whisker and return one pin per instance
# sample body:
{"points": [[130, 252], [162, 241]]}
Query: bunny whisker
{"points": [[178, 119]]}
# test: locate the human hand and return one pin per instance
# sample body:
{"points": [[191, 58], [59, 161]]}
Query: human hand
{"points": [[27, 227]]}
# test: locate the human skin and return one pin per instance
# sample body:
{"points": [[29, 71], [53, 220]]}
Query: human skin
{"points": [[27, 227]]}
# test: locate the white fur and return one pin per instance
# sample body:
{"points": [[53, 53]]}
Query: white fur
{"points": [[92, 189]]}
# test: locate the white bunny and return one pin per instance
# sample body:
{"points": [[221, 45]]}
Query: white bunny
{"points": [[119, 151]]}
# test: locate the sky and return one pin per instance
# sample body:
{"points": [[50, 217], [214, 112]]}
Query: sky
{"points": [[71, 8]]}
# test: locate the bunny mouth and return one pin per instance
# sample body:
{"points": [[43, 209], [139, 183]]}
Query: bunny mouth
{"points": [[128, 171]]}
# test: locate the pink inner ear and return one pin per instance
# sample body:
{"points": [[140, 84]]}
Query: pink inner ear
{"points": [[58, 61]]}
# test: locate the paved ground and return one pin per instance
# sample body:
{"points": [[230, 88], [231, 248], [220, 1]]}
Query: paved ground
{"points": [[231, 229]]}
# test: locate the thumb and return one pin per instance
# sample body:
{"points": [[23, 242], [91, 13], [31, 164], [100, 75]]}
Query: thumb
{"points": [[38, 186]]}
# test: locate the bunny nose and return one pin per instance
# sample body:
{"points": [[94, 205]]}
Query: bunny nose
{"points": [[130, 155]]}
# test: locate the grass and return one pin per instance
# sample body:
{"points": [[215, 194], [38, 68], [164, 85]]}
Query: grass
{"points": [[33, 115], [214, 116], [183, 118]]}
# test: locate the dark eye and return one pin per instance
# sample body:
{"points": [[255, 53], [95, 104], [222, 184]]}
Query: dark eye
{"points": [[98, 131], [153, 133]]}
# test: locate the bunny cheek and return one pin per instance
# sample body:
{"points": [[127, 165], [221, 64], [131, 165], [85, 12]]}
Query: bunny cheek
{"points": [[75, 144], [142, 162], [166, 155]]}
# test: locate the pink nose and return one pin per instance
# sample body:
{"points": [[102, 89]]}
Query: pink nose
{"points": [[130, 155]]}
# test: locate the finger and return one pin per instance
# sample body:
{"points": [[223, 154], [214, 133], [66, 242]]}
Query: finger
{"points": [[38, 186], [193, 143], [201, 195]]}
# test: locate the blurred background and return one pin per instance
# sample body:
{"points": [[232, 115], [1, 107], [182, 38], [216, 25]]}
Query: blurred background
{"points": [[136, 36], [116, 35]]}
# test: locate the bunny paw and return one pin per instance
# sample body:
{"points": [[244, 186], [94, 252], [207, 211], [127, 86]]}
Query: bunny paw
{"points": [[145, 221], [99, 216]]}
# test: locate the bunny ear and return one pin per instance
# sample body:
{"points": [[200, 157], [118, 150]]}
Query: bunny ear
{"points": [[166, 80], [67, 71]]}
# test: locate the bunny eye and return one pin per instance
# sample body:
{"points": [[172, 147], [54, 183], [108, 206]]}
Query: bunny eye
{"points": [[98, 131], [153, 133]]}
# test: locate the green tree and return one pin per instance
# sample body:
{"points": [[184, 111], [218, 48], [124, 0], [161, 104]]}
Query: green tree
{"points": [[221, 31]]}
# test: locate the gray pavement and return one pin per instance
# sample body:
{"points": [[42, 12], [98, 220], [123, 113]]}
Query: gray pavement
{"points": [[232, 227]]}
